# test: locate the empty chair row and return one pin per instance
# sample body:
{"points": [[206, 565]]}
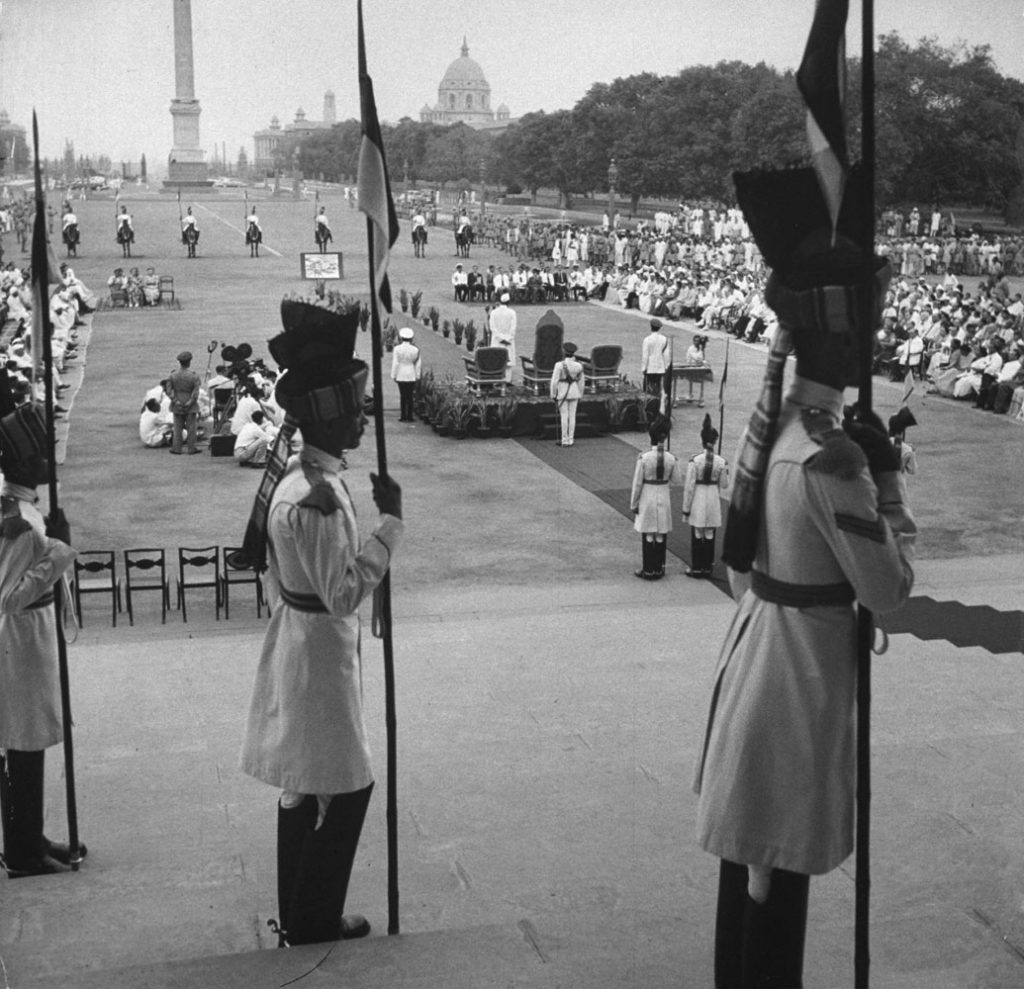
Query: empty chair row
{"points": [[145, 571]]}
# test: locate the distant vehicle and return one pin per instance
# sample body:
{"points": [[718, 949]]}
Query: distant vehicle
{"points": [[226, 182]]}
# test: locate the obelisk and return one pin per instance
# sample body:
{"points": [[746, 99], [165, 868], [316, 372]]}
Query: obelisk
{"points": [[186, 167]]}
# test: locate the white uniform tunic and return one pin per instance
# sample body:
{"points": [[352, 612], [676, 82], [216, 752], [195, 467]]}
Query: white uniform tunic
{"points": [[650, 493], [707, 477], [30, 564], [305, 732], [776, 777]]}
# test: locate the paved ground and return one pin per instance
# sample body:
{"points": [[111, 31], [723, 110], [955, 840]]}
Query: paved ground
{"points": [[550, 704]]}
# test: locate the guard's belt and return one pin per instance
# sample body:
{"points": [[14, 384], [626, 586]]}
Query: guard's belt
{"points": [[662, 481], [800, 595], [43, 602], [309, 603]]}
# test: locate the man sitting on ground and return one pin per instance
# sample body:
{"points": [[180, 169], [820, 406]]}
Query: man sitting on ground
{"points": [[253, 440], [155, 424]]}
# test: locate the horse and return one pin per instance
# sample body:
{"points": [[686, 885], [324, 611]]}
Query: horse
{"points": [[463, 238], [419, 241], [323, 236], [125, 236], [190, 237], [253, 237], [71, 237]]}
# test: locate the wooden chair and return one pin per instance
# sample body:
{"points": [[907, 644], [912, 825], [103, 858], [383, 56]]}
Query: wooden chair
{"points": [[232, 573], [96, 573], [601, 368], [137, 578], [547, 352], [485, 369], [198, 568], [118, 298], [166, 287]]}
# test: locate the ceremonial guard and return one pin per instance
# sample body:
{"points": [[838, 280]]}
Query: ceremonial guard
{"points": [[188, 221], [183, 387], [32, 559], [406, 368], [305, 732], [503, 331], [707, 478], [567, 390], [323, 228], [650, 500], [817, 521], [125, 232]]}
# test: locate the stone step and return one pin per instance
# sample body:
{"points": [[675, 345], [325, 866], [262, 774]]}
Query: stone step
{"points": [[473, 958], [550, 424]]}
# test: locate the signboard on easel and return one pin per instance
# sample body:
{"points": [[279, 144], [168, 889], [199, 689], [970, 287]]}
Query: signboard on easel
{"points": [[322, 267]]}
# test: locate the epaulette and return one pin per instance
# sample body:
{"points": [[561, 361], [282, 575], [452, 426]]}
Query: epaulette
{"points": [[839, 455], [14, 526], [323, 498]]}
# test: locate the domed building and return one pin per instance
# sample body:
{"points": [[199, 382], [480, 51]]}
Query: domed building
{"points": [[464, 96]]}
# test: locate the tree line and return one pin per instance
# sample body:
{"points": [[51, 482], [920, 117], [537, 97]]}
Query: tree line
{"points": [[948, 132]]}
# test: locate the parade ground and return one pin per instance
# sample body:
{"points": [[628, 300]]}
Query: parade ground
{"points": [[550, 706]]}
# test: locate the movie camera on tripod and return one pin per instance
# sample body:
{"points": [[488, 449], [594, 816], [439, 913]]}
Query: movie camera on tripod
{"points": [[248, 376]]}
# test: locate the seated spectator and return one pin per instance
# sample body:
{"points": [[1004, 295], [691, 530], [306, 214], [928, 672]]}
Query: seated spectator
{"points": [[117, 283], [253, 440], [959, 362], [995, 395], [134, 288], [150, 288], [460, 283], [155, 424], [988, 365], [908, 356]]}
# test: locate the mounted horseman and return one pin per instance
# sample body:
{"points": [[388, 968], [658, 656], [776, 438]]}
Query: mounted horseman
{"points": [[419, 232], [125, 233], [69, 231], [253, 233], [190, 232], [322, 230]]}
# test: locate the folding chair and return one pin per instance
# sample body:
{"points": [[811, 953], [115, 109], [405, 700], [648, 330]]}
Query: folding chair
{"points": [[198, 568], [96, 573], [233, 573], [166, 288], [137, 578]]}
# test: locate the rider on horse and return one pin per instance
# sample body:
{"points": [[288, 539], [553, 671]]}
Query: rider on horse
{"points": [[125, 230], [419, 231], [188, 221], [322, 230], [254, 230], [68, 220]]}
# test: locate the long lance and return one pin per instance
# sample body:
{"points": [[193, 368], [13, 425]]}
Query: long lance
{"points": [[181, 219], [721, 397], [42, 277], [865, 621], [245, 210], [384, 598]]}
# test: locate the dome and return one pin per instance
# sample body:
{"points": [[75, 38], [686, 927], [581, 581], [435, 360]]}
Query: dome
{"points": [[464, 71]]}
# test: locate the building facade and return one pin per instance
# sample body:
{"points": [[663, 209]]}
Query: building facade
{"points": [[464, 96], [268, 141]]}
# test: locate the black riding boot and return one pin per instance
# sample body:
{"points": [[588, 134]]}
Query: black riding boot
{"points": [[293, 825], [709, 555], [696, 560], [729, 925], [21, 800], [647, 564], [773, 941], [321, 881], [658, 557]]}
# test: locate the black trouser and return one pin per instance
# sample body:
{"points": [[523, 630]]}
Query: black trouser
{"points": [[760, 945], [314, 864], [21, 808], [406, 389], [652, 383]]}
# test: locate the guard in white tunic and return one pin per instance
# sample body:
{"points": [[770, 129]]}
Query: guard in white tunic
{"points": [[32, 560], [305, 732], [818, 520], [567, 390], [707, 478], [650, 500]]}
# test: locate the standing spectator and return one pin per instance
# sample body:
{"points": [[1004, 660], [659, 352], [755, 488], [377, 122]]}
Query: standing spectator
{"points": [[33, 557], [707, 478], [650, 500], [183, 387], [405, 370], [654, 357], [567, 390], [503, 331], [305, 732]]}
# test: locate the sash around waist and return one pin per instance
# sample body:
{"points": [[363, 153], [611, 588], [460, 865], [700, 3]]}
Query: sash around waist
{"points": [[800, 595], [309, 603], [662, 481], [43, 602]]}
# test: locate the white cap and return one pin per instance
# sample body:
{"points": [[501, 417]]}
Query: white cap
{"points": [[405, 333], [504, 297]]}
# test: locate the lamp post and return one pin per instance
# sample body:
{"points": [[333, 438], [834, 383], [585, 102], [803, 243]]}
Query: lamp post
{"points": [[613, 175], [483, 188], [296, 191], [405, 180]]}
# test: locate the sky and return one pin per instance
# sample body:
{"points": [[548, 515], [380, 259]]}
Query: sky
{"points": [[100, 73]]}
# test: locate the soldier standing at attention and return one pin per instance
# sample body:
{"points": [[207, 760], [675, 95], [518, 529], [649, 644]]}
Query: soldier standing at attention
{"points": [[650, 501], [567, 390], [33, 557], [707, 478], [305, 732], [183, 387]]}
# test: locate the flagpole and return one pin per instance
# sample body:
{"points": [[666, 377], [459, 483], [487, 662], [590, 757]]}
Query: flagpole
{"points": [[721, 397], [865, 622], [384, 598], [41, 278]]}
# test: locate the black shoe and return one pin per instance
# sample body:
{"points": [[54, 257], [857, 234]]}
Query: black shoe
{"points": [[175, 452], [45, 865], [691, 572], [61, 852], [642, 574], [354, 926]]}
